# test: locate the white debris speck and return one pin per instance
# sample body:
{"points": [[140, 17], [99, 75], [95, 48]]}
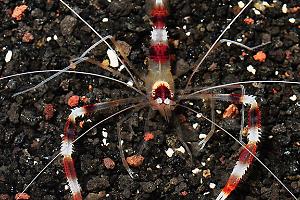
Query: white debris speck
{"points": [[170, 152], [241, 4], [266, 4], [195, 125], [206, 193], [105, 19], [257, 12], [105, 142], [104, 133], [270, 136], [48, 39], [284, 8], [218, 111], [61, 135], [158, 166], [121, 68], [180, 149], [292, 20], [293, 98], [191, 103], [184, 27], [208, 159], [130, 83], [276, 73], [198, 115], [8, 56], [202, 136], [66, 187], [35, 162], [251, 69], [239, 40], [55, 37], [113, 58], [196, 171], [109, 1], [203, 164], [188, 33], [212, 186], [228, 44], [107, 195]]}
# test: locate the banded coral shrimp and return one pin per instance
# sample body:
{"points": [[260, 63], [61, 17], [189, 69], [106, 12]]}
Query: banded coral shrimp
{"points": [[183, 177]]}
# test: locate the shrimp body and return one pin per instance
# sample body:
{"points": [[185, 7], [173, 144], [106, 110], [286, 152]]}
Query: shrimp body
{"points": [[159, 81]]}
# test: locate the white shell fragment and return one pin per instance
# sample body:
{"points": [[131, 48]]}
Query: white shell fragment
{"points": [[180, 149], [113, 58], [196, 171], [293, 98], [212, 186], [105, 19], [292, 20], [170, 152], [202, 136], [195, 125], [284, 8], [130, 83], [241, 4], [251, 69], [8, 56]]}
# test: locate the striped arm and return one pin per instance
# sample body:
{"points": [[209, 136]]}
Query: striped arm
{"points": [[70, 134], [254, 133]]}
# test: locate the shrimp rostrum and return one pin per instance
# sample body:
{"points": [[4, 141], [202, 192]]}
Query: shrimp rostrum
{"points": [[178, 98]]}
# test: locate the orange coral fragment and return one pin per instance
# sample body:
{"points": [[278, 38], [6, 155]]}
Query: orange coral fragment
{"points": [[27, 37], [135, 160], [73, 101], [249, 21], [49, 111], [260, 56], [109, 163], [18, 12], [22, 196], [231, 111], [148, 136]]}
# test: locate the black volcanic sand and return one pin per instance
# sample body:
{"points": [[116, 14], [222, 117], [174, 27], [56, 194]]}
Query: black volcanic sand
{"points": [[28, 141]]}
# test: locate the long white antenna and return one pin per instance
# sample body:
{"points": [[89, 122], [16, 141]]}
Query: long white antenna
{"points": [[73, 11], [214, 44]]}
